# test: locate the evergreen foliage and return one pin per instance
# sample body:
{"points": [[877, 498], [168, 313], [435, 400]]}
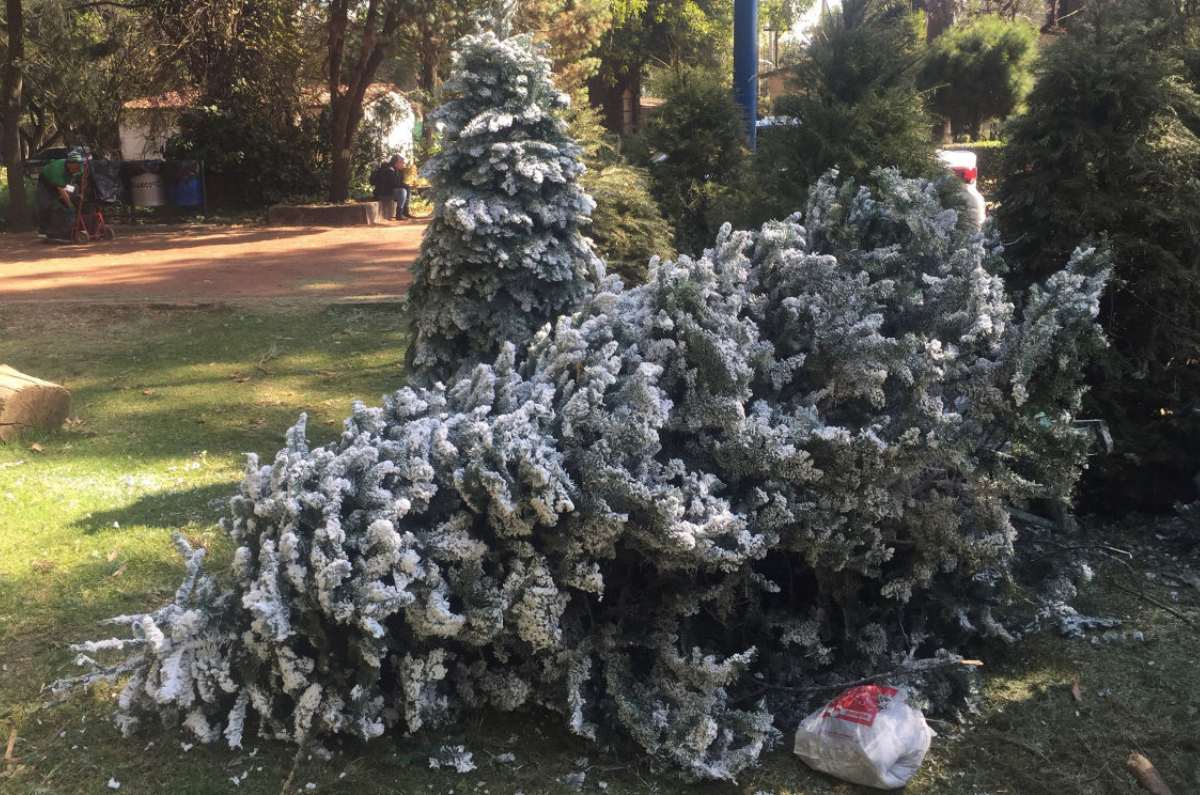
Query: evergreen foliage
{"points": [[856, 105], [1110, 147], [627, 226], [571, 30], [506, 250], [697, 146], [790, 455], [259, 160], [980, 70]]}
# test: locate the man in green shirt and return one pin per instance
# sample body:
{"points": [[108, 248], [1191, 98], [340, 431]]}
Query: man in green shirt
{"points": [[56, 184]]}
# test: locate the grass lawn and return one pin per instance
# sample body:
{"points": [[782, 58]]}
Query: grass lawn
{"points": [[166, 404]]}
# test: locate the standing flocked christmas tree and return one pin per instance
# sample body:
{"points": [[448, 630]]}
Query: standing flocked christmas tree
{"points": [[506, 252]]}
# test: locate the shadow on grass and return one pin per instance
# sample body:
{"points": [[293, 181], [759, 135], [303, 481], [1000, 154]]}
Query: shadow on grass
{"points": [[170, 509]]}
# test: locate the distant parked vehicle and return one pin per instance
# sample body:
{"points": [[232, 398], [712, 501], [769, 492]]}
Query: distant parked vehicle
{"points": [[964, 164]]}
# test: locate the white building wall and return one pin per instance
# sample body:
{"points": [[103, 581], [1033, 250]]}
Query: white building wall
{"points": [[144, 134]]}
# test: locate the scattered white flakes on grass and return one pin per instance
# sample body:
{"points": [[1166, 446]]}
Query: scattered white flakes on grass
{"points": [[187, 746], [455, 756], [114, 784]]}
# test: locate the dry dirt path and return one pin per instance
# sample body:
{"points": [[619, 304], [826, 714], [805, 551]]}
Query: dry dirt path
{"points": [[214, 264]]}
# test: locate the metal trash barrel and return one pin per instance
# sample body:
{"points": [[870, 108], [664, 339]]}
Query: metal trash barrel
{"points": [[146, 190]]}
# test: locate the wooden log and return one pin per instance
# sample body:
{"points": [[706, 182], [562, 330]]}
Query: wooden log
{"points": [[1143, 770], [27, 402]]}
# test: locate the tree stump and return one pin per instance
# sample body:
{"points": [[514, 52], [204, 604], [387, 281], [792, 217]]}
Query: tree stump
{"points": [[28, 402]]}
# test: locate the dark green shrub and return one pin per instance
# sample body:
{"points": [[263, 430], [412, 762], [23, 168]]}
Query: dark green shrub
{"points": [[856, 107], [261, 162], [627, 226], [697, 148], [980, 70], [1110, 147]]}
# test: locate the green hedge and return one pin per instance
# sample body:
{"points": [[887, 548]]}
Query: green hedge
{"points": [[30, 188]]}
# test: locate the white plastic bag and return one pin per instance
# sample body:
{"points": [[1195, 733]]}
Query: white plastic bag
{"points": [[867, 735]]}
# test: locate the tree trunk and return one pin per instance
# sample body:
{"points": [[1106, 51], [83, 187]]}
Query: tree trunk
{"points": [[431, 87], [943, 131], [609, 97], [344, 126], [348, 90], [1059, 10], [940, 16], [18, 212], [339, 177]]}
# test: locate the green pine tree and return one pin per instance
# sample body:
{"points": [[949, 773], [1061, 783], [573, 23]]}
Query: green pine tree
{"points": [[1110, 147]]}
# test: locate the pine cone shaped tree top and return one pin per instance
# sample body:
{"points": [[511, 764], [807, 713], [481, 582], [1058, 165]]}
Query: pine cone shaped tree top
{"points": [[505, 253]]}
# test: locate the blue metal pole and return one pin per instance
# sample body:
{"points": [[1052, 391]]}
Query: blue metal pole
{"points": [[745, 63]]}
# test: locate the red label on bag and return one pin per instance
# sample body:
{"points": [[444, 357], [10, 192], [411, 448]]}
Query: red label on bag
{"points": [[860, 704]]}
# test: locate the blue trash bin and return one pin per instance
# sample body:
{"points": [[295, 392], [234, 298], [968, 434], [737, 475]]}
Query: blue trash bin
{"points": [[187, 192]]}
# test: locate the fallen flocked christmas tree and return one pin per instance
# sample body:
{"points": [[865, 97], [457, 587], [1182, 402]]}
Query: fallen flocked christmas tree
{"points": [[786, 460]]}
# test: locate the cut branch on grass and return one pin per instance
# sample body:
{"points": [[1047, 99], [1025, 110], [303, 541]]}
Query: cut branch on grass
{"points": [[9, 759], [1019, 743], [1157, 603], [1143, 770], [273, 353], [301, 747]]}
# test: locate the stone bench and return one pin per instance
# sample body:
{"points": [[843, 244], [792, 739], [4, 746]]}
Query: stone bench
{"points": [[364, 213]]}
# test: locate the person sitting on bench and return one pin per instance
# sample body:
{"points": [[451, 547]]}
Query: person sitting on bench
{"points": [[389, 182]]}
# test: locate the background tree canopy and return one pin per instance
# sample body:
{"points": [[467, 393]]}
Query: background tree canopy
{"points": [[979, 71]]}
